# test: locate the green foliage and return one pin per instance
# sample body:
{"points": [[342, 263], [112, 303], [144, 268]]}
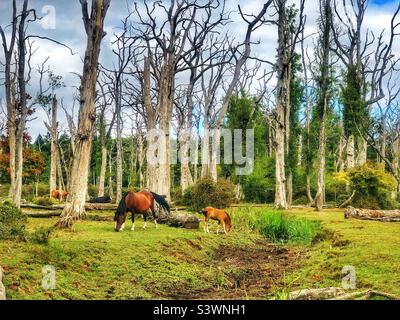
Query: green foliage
{"points": [[354, 107], [372, 186], [259, 186], [41, 235], [44, 201], [207, 192], [177, 195], [296, 100], [12, 222]]}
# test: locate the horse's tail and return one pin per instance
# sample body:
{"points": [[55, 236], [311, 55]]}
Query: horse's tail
{"points": [[161, 201], [228, 220], [122, 204]]}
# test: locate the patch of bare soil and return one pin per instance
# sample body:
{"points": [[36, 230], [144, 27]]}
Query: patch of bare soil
{"points": [[253, 271]]}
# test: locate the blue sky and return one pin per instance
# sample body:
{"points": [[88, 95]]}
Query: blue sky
{"points": [[69, 30]]}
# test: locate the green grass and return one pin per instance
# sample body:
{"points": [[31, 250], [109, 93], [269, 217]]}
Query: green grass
{"points": [[275, 225], [372, 247], [94, 262]]}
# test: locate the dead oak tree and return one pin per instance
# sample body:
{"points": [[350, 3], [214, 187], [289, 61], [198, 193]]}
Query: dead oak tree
{"points": [[75, 206]]}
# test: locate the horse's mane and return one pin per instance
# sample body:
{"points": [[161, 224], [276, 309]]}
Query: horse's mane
{"points": [[122, 205]]}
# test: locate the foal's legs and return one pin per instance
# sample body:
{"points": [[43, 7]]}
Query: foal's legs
{"points": [[206, 225]]}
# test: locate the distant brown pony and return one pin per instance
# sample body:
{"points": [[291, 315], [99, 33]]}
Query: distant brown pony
{"points": [[219, 215], [138, 202], [59, 194]]}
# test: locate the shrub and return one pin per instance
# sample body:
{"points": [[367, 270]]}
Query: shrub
{"points": [[29, 190], [259, 186], [44, 201], [41, 235], [301, 201], [176, 195], [12, 223], [206, 192], [373, 187]]}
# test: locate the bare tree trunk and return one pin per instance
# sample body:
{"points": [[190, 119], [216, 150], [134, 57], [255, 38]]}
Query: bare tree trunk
{"points": [[54, 151], [362, 151], [119, 156], [205, 157], [186, 175], [340, 162], [195, 164], [75, 206], [151, 169], [10, 93], [350, 162], [165, 107], [103, 169], [140, 156], [20, 128], [300, 151], [61, 184], [323, 99], [110, 177], [319, 197], [396, 163], [281, 96], [215, 150]]}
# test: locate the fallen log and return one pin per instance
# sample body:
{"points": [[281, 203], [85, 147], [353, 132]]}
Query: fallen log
{"points": [[375, 215], [335, 293], [179, 220], [36, 206], [316, 294], [43, 214]]}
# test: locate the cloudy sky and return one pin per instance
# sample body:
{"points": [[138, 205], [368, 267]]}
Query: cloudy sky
{"points": [[63, 22]]}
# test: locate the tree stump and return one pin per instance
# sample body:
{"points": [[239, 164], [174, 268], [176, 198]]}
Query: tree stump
{"points": [[375, 215]]}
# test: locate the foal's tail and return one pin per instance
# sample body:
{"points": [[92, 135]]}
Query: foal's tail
{"points": [[161, 201]]}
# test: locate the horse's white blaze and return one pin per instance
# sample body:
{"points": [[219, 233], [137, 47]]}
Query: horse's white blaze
{"points": [[122, 227]]}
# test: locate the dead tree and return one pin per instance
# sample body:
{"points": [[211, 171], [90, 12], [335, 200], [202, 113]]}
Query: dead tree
{"points": [[168, 39], [288, 37], [367, 58], [75, 206], [324, 94], [104, 130], [10, 92]]}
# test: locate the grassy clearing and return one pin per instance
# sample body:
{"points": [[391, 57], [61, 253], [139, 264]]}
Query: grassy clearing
{"points": [[372, 247], [94, 262]]}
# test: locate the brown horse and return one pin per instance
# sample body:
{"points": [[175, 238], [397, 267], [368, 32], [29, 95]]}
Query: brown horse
{"points": [[219, 215], [138, 202], [59, 194]]}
